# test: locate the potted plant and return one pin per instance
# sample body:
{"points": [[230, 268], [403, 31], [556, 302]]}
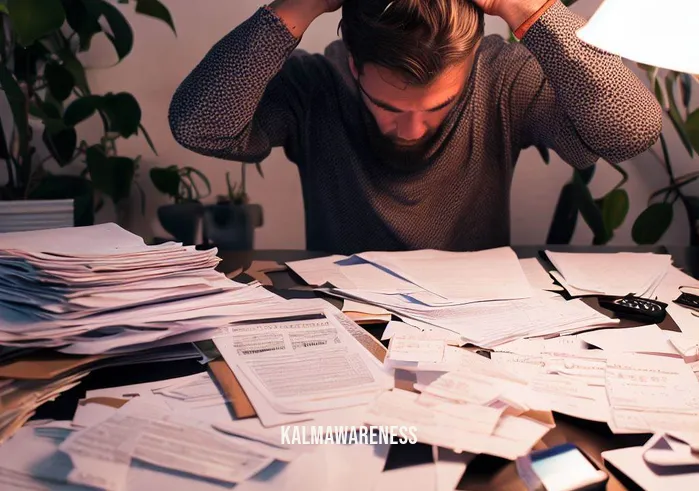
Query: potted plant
{"points": [[49, 95], [230, 223], [181, 218]]}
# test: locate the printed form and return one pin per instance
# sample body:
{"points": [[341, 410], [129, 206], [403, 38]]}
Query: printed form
{"points": [[303, 366]]}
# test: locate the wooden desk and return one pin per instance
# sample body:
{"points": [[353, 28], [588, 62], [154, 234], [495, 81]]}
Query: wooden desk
{"points": [[483, 473]]}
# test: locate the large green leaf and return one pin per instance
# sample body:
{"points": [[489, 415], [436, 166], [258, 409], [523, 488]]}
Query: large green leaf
{"points": [[166, 180], [686, 89], [81, 109], [59, 80], [652, 223], [674, 112], [84, 21], [33, 19], [111, 175], [17, 101], [565, 217], [123, 113], [61, 144], [50, 115], [121, 34], [615, 207], [692, 126], [589, 210], [154, 8]]}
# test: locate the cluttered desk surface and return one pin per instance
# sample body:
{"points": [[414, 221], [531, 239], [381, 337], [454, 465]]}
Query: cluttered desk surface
{"points": [[185, 380]]}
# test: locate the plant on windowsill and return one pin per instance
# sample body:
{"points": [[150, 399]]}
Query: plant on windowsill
{"points": [[45, 84], [230, 223], [181, 219]]}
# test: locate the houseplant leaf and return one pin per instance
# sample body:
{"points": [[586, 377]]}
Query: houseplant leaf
{"points": [[166, 180], [59, 80], [121, 34], [33, 19], [148, 138], [123, 112], [565, 217], [652, 223], [686, 89], [76, 69], [111, 175], [692, 126], [25, 61], [544, 152], [674, 113], [61, 144], [154, 8], [615, 207], [17, 101], [589, 210], [84, 21], [81, 109]]}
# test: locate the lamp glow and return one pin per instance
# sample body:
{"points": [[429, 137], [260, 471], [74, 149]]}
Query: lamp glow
{"points": [[660, 33]]}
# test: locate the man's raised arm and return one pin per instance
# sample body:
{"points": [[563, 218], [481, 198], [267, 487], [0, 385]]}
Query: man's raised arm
{"points": [[580, 101], [245, 96]]}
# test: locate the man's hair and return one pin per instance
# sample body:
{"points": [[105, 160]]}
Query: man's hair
{"points": [[417, 39]]}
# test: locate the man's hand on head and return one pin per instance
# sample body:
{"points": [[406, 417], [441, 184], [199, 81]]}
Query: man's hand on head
{"points": [[298, 14], [514, 12]]}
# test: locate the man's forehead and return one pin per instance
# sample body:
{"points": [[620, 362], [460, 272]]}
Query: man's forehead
{"points": [[388, 88]]}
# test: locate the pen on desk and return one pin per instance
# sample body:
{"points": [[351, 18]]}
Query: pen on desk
{"points": [[291, 318]]}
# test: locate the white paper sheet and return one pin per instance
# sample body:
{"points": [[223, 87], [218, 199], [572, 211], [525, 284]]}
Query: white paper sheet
{"points": [[303, 366], [642, 339], [493, 274]]}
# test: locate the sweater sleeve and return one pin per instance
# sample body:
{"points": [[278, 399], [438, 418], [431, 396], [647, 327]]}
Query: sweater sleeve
{"points": [[243, 98], [577, 100]]}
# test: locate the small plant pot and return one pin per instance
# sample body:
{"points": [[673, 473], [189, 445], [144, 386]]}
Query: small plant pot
{"points": [[232, 227], [181, 221]]}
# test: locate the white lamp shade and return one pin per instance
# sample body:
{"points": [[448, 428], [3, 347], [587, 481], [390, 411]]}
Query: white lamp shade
{"points": [[661, 33]]}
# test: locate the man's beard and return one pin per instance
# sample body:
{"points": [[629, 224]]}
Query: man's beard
{"points": [[402, 158]]}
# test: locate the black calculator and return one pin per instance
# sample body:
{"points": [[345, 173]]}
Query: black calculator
{"points": [[635, 308]]}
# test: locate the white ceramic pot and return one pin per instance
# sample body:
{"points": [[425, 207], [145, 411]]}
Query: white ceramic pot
{"points": [[20, 215]]}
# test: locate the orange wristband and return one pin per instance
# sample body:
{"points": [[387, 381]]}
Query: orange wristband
{"points": [[522, 30]]}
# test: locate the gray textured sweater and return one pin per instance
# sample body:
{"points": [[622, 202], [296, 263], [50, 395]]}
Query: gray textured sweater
{"points": [[250, 94]]}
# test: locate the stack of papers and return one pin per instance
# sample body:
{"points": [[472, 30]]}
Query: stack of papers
{"points": [[28, 382], [139, 446], [430, 277], [610, 273], [469, 408], [486, 297], [489, 324], [100, 289]]}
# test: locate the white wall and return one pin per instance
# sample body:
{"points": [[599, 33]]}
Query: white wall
{"points": [[160, 61]]}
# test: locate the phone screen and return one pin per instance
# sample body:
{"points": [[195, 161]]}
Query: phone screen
{"points": [[566, 470]]}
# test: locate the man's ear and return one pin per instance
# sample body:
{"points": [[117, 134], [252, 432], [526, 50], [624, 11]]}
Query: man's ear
{"points": [[353, 67]]}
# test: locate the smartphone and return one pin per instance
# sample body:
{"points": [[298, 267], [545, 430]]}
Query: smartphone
{"points": [[561, 468]]}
